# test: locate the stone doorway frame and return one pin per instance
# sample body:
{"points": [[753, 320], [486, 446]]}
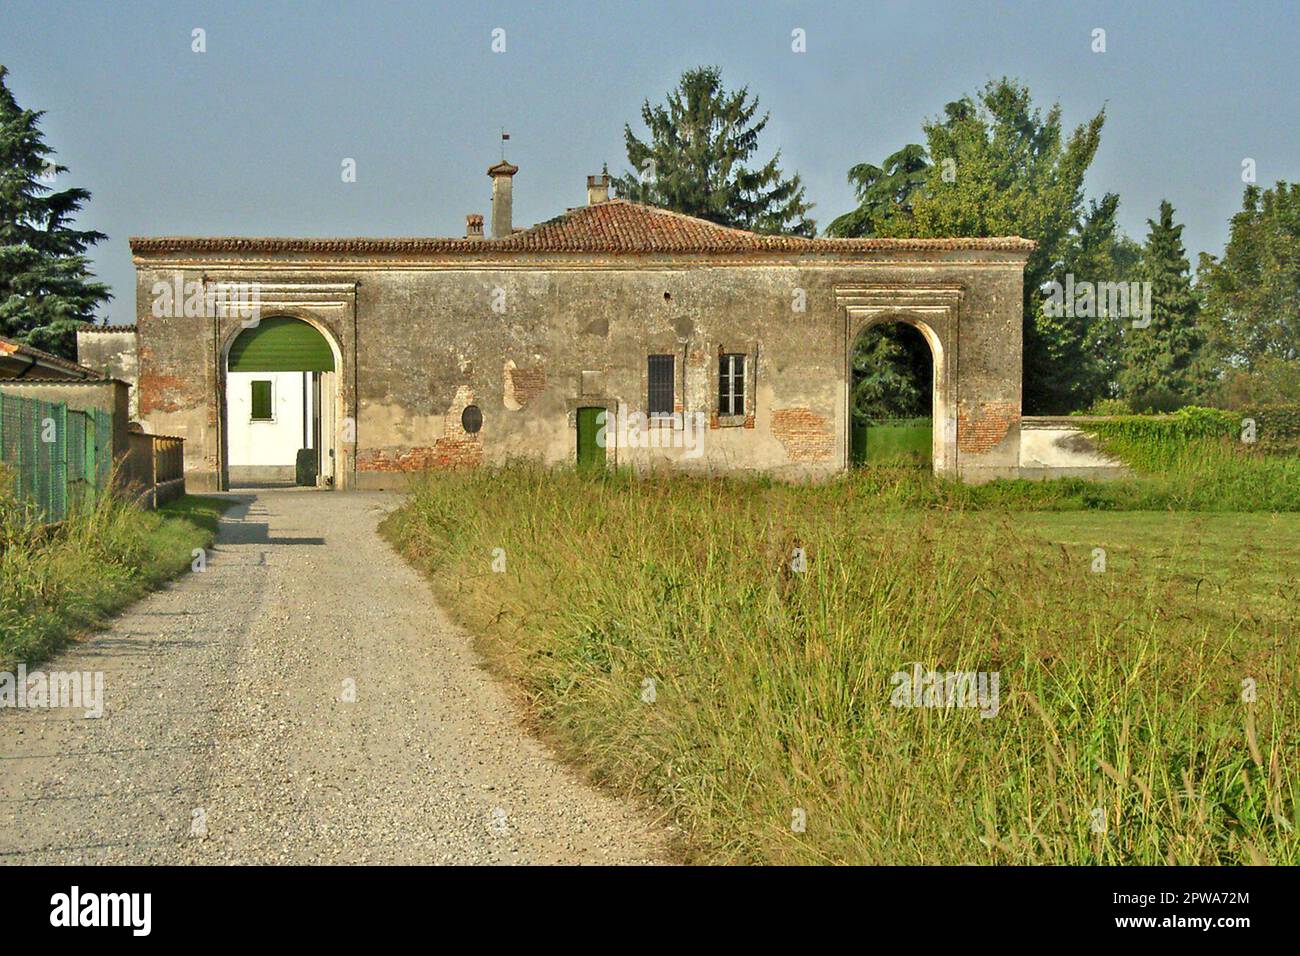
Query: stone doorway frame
{"points": [[935, 312], [281, 303]]}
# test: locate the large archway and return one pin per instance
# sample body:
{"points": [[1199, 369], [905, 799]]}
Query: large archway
{"points": [[280, 407]]}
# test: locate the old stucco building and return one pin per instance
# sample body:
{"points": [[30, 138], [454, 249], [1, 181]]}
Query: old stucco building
{"points": [[436, 353]]}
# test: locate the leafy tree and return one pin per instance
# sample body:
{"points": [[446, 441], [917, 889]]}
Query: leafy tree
{"points": [[892, 373], [46, 286], [696, 160], [1252, 295], [1081, 347], [883, 191], [998, 167], [1160, 362]]}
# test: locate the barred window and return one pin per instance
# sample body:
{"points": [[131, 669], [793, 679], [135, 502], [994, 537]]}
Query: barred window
{"points": [[731, 384], [660, 398]]}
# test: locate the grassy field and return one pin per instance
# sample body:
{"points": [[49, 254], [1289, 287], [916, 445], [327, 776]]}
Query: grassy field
{"points": [[56, 583], [1147, 712]]}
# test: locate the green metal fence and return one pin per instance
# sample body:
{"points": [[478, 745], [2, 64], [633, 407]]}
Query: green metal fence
{"points": [[55, 457]]}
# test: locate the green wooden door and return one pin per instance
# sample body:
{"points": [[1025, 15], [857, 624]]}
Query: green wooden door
{"points": [[590, 452]]}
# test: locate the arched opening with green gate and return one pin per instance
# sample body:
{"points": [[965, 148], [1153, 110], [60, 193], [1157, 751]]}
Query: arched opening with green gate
{"points": [[281, 405], [892, 397]]}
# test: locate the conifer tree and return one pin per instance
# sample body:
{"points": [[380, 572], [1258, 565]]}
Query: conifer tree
{"points": [[47, 289], [696, 160]]}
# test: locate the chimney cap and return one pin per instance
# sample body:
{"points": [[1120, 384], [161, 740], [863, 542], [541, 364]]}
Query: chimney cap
{"points": [[502, 168]]}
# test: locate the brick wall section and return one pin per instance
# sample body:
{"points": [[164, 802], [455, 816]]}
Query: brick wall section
{"points": [[159, 393], [446, 453], [805, 435], [526, 383], [985, 429]]}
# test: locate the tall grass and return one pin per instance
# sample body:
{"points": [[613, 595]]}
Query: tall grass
{"points": [[56, 582], [1122, 735]]}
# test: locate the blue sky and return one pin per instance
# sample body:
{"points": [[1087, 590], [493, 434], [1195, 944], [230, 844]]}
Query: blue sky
{"points": [[248, 138]]}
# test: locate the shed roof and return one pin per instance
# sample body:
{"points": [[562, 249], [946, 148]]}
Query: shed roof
{"points": [[39, 364]]}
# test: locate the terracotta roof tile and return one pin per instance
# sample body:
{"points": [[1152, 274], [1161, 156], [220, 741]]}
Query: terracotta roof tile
{"points": [[616, 227]]}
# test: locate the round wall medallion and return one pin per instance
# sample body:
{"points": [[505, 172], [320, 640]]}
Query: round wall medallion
{"points": [[471, 419]]}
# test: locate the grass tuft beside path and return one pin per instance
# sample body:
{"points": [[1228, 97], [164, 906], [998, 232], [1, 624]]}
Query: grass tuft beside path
{"points": [[58, 582]]}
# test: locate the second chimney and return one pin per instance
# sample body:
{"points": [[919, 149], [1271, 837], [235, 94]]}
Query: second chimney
{"points": [[474, 226], [598, 188], [502, 174]]}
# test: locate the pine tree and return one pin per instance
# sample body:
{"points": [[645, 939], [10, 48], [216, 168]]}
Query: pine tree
{"points": [[1082, 350], [695, 161], [1252, 292], [1160, 369], [884, 191], [47, 289]]}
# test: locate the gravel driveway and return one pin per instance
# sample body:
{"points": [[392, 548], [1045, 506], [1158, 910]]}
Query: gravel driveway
{"points": [[228, 736]]}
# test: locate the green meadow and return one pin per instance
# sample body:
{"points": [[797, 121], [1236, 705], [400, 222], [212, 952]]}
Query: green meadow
{"points": [[725, 650]]}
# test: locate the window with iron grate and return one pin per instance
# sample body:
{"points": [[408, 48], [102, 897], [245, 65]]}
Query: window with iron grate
{"points": [[660, 378]]}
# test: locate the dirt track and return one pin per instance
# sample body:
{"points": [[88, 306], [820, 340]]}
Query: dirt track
{"points": [[226, 737]]}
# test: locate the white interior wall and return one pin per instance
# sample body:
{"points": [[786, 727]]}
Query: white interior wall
{"points": [[265, 443]]}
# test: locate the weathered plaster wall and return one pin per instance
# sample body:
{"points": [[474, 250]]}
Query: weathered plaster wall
{"points": [[530, 339], [115, 354]]}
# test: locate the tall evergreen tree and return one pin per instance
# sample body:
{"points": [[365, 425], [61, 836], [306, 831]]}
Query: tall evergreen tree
{"points": [[696, 160], [47, 289], [1161, 361], [1252, 293], [1082, 347]]}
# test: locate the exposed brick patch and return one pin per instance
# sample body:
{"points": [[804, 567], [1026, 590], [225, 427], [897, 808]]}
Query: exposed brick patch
{"points": [[446, 453], [981, 429], [805, 435], [525, 384], [456, 448], [159, 393]]}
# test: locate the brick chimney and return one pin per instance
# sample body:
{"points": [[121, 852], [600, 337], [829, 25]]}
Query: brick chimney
{"points": [[502, 174], [598, 187], [474, 226]]}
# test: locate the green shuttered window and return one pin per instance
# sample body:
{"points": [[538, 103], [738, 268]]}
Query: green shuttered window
{"points": [[261, 401]]}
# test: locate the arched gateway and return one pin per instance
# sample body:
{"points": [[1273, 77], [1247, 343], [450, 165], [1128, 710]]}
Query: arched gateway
{"points": [[280, 409]]}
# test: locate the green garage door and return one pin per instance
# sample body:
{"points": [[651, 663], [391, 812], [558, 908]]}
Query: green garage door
{"points": [[281, 345]]}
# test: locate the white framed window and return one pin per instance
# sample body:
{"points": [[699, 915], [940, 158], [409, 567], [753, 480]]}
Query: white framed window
{"points": [[731, 385]]}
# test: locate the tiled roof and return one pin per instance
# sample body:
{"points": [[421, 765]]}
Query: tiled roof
{"points": [[43, 358], [106, 328], [616, 227]]}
